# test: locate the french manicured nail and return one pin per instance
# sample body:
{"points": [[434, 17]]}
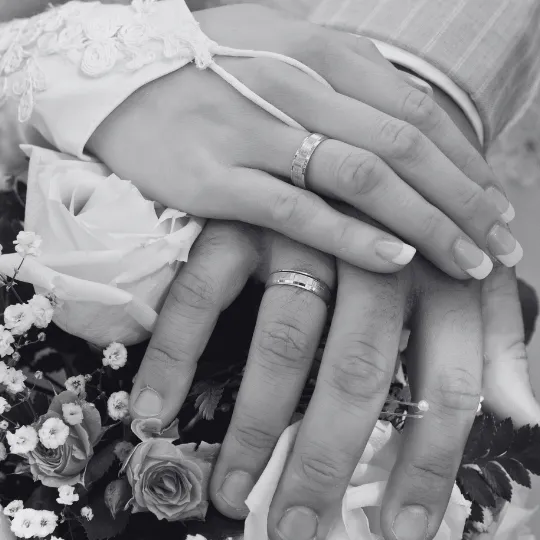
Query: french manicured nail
{"points": [[298, 523], [420, 84], [411, 524], [235, 489], [149, 403], [504, 246], [472, 259], [395, 251], [502, 204]]}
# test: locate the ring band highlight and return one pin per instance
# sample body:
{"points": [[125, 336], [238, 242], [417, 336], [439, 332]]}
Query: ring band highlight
{"points": [[301, 158], [301, 280]]}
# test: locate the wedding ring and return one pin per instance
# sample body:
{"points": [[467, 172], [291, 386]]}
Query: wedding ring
{"points": [[301, 158], [301, 280]]}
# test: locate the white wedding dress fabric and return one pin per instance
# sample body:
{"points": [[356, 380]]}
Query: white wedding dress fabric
{"points": [[64, 71]]}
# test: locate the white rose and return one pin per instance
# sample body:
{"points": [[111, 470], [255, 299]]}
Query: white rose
{"points": [[365, 490], [107, 254], [99, 58]]}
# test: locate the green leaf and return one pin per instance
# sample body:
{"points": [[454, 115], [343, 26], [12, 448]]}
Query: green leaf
{"points": [[103, 525], [43, 498], [480, 438], [498, 480], [502, 440], [99, 465], [117, 494], [517, 472], [477, 513], [208, 400], [475, 487]]}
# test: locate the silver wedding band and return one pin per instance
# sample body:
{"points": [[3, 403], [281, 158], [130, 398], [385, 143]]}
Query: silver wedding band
{"points": [[301, 280], [301, 158]]}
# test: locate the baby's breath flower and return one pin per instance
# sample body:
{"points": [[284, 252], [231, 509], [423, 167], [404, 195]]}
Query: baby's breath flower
{"points": [[42, 337], [56, 538], [19, 318], [53, 433], [86, 512], [4, 405], [117, 405], [72, 413], [24, 440], [122, 450], [38, 375], [13, 507], [197, 537], [115, 355], [67, 495], [25, 523], [77, 385], [6, 340], [42, 309], [28, 243], [4, 424], [14, 381], [16, 356], [3, 451], [3, 371], [47, 522]]}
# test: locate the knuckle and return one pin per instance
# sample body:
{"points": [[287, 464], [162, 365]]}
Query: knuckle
{"points": [[167, 355], [433, 475], [358, 174], [420, 110], [194, 291], [472, 200], [320, 474], [431, 225], [284, 343], [362, 371], [402, 139], [253, 438], [459, 390], [287, 209]]}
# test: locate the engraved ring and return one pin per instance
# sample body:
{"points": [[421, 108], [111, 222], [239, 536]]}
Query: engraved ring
{"points": [[301, 158], [301, 280]]}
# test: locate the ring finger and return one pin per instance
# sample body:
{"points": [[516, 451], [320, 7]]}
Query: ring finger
{"points": [[287, 334]]}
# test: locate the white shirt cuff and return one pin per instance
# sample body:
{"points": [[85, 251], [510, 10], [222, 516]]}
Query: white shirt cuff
{"points": [[435, 76]]}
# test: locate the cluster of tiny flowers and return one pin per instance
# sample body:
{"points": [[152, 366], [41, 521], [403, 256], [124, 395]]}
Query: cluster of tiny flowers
{"points": [[24, 440], [115, 356], [86, 512], [19, 318], [122, 450], [13, 379], [77, 385], [27, 244], [118, 405], [67, 495], [72, 413], [53, 433], [4, 405], [30, 523]]}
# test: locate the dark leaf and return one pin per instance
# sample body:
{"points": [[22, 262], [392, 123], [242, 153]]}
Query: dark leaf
{"points": [[498, 480], [477, 513], [117, 495], [99, 465], [208, 400], [475, 487], [522, 440], [43, 498], [531, 459], [103, 525], [480, 439], [502, 440], [517, 472]]}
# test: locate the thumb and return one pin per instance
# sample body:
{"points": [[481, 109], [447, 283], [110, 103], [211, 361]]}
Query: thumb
{"points": [[506, 385]]}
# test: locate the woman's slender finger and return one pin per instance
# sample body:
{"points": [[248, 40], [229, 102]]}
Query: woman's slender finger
{"points": [[217, 269], [255, 197], [445, 369], [366, 182], [288, 331], [352, 386]]}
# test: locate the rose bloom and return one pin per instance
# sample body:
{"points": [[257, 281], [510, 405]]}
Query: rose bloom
{"points": [[171, 481], [65, 465], [359, 518], [108, 254]]}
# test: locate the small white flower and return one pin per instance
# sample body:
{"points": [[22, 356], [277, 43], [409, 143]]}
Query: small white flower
{"points": [[24, 440], [19, 318], [67, 495], [4, 424], [196, 537], [122, 450], [53, 433], [25, 523], [14, 381], [56, 538], [86, 512], [115, 355], [47, 522], [3, 451], [73, 413], [6, 340], [4, 405], [38, 375], [13, 507], [4, 369], [117, 405], [28, 243], [42, 309], [76, 385]]}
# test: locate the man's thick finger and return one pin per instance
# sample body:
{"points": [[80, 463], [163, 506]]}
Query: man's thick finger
{"points": [[352, 386], [506, 385], [445, 369], [214, 275]]}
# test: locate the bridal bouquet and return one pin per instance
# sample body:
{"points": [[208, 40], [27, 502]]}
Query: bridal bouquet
{"points": [[74, 465]]}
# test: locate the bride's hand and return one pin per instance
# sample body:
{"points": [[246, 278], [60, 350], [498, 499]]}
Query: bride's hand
{"points": [[445, 368], [189, 140]]}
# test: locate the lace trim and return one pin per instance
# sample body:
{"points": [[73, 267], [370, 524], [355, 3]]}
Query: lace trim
{"points": [[97, 44]]}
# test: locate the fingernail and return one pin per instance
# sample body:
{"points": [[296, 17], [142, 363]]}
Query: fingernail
{"points": [[502, 204], [504, 246], [235, 489], [420, 84], [395, 251], [411, 524], [298, 523], [148, 403], [472, 259]]}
